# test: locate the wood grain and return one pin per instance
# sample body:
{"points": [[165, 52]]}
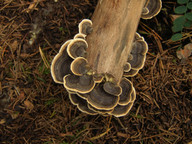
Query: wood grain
{"points": [[114, 26]]}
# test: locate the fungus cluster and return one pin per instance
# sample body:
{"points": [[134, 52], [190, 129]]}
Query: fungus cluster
{"points": [[93, 92]]}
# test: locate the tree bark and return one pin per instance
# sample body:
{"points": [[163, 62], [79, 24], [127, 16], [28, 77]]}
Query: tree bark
{"points": [[114, 26]]}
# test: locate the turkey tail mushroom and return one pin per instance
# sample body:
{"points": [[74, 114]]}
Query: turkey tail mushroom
{"points": [[127, 89], [79, 35], [82, 84], [79, 66], [151, 9], [122, 110], [61, 64], [100, 99], [137, 56], [93, 65], [85, 27], [77, 48], [81, 104]]}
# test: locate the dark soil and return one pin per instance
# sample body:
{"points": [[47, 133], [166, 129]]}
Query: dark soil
{"points": [[33, 109]]}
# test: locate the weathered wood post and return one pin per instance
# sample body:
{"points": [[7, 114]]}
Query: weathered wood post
{"points": [[114, 26]]}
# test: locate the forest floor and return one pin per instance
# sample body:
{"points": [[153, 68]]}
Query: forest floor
{"points": [[34, 109]]}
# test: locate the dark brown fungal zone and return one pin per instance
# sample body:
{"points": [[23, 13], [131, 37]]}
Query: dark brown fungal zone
{"points": [[92, 92]]}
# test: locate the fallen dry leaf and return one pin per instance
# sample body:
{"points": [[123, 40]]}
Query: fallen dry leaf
{"points": [[185, 52], [28, 105], [21, 96], [2, 121], [24, 55], [66, 134], [14, 114], [173, 17], [14, 45], [32, 6], [44, 58]]}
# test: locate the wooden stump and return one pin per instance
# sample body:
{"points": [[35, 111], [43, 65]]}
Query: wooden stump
{"points": [[114, 26]]}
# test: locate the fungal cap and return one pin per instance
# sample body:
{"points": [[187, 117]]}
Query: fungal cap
{"points": [[81, 104], [79, 66], [102, 100], [103, 112], [98, 78], [131, 73], [133, 95], [138, 54], [85, 27], [153, 6], [138, 37], [60, 64], [112, 88], [79, 35], [127, 90], [71, 92], [139, 46], [83, 96], [145, 11], [127, 67], [138, 61], [81, 84], [120, 110], [77, 48]]}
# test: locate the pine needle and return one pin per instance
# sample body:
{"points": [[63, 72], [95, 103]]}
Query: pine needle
{"points": [[44, 58]]}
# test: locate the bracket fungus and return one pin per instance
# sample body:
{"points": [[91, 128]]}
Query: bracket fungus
{"points": [[100, 99], [127, 89], [85, 27], [82, 84], [61, 64], [79, 35], [137, 56], [103, 112], [138, 53], [127, 67], [79, 66], [77, 48], [151, 9], [130, 73], [95, 65], [81, 104], [112, 88]]}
